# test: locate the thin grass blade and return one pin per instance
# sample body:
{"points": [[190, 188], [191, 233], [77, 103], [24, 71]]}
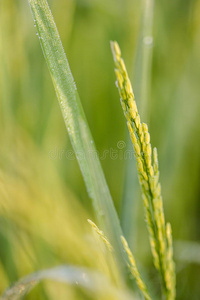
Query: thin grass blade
{"points": [[76, 123], [142, 80]]}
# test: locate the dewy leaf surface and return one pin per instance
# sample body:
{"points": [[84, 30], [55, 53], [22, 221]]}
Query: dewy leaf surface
{"points": [[76, 123]]}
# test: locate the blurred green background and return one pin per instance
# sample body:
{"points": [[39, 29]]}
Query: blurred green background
{"points": [[43, 201]]}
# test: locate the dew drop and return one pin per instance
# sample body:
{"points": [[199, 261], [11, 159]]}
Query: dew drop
{"points": [[102, 214], [148, 40]]}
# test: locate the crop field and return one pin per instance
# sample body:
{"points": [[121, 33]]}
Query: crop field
{"points": [[99, 149]]}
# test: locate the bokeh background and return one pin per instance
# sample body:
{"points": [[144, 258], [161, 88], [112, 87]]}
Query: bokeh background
{"points": [[44, 205]]}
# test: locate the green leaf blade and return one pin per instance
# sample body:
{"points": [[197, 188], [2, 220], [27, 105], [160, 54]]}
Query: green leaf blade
{"points": [[76, 124]]}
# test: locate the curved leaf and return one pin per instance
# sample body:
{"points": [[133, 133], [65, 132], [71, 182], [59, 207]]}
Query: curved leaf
{"points": [[89, 280]]}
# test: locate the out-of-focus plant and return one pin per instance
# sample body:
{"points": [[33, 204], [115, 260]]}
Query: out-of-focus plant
{"points": [[42, 225], [160, 236]]}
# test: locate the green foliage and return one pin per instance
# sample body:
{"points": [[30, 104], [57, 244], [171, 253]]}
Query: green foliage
{"points": [[44, 206], [83, 278], [75, 121]]}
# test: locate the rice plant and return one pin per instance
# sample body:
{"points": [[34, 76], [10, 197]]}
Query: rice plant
{"points": [[100, 261], [159, 234]]}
